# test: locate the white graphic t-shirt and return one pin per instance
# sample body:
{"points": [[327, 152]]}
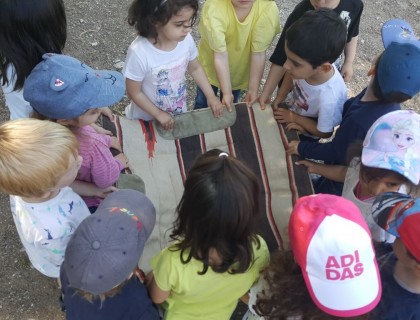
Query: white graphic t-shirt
{"points": [[162, 74]]}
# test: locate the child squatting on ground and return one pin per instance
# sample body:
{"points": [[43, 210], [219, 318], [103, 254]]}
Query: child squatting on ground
{"points": [[158, 58], [99, 276], [68, 91], [399, 215], [38, 162], [348, 10], [318, 93], [235, 35], [28, 29], [392, 82], [332, 254], [217, 255]]}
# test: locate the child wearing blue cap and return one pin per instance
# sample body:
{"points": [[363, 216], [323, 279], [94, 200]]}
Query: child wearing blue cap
{"points": [[66, 90], [399, 215], [99, 276], [395, 78]]}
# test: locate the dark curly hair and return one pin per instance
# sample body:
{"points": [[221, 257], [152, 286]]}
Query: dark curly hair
{"points": [[287, 295], [145, 14], [219, 210]]}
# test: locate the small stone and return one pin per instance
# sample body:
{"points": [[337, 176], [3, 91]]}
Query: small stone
{"points": [[94, 44], [119, 65], [81, 20]]}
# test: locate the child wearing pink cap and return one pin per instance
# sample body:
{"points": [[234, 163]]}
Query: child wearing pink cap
{"points": [[332, 254]]}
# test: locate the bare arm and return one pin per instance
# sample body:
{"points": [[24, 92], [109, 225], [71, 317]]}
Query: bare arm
{"points": [[349, 56], [135, 93], [283, 115], [156, 294], [197, 73], [89, 189], [332, 172], [221, 65], [284, 89], [255, 75], [274, 76]]}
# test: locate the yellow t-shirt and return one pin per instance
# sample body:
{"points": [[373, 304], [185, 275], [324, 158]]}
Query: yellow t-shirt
{"points": [[221, 31], [209, 296]]}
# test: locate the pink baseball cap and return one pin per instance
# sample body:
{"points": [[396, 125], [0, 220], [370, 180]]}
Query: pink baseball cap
{"points": [[332, 245]]}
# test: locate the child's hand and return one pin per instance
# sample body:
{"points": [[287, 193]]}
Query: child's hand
{"points": [[123, 159], [250, 98], [283, 115], [227, 101], [311, 166], [216, 106], [116, 144], [295, 126], [166, 120], [293, 148], [347, 71], [102, 193], [277, 102], [263, 99], [101, 130], [107, 113]]}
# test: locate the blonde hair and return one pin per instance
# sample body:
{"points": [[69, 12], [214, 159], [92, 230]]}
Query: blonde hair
{"points": [[34, 155]]}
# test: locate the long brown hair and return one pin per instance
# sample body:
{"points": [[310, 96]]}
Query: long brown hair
{"points": [[219, 210]]}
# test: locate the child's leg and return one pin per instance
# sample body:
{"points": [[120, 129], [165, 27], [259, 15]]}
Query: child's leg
{"points": [[236, 95], [201, 100]]}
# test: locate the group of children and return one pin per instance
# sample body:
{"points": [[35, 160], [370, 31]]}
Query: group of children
{"points": [[216, 255]]}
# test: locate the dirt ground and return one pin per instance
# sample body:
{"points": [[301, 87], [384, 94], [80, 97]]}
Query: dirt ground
{"points": [[99, 34]]}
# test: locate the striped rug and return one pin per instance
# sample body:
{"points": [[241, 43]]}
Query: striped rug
{"points": [[255, 138]]}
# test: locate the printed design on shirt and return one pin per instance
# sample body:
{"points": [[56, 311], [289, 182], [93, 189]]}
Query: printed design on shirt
{"points": [[299, 101], [170, 87], [345, 15]]}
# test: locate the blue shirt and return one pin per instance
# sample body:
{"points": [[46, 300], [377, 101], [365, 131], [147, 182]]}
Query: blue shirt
{"points": [[358, 117], [132, 303], [396, 302]]}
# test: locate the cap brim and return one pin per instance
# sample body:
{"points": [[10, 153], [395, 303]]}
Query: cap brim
{"points": [[397, 30]]}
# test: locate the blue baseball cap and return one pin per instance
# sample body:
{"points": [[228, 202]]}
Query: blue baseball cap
{"points": [[399, 67], [62, 87], [399, 215]]}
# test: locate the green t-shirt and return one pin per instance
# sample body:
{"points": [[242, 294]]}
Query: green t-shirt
{"points": [[209, 296]]}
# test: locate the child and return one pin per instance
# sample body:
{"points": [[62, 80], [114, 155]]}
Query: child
{"points": [[331, 244], [99, 275], [387, 164], [217, 255], [399, 215], [38, 161], [319, 92], [234, 38], [65, 89], [391, 83], [158, 59], [28, 29], [348, 10]]}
